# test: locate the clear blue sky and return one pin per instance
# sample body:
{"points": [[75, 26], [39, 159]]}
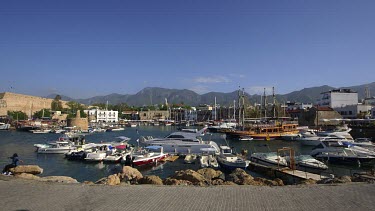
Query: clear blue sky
{"points": [[87, 48]]}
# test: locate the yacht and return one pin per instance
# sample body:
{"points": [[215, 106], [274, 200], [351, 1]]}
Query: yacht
{"points": [[269, 159], [308, 163], [181, 143], [228, 160], [337, 152]]}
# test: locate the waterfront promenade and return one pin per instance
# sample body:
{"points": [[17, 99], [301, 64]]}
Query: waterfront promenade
{"points": [[33, 195]]}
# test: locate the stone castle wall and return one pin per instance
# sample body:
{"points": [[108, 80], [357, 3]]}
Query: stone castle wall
{"points": [[25, 103]]}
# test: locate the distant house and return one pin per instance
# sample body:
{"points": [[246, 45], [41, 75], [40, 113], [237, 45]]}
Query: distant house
{"points": [[97, 115]]}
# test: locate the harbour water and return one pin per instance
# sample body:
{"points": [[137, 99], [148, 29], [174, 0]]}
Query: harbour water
{"points": [[56, 165]]}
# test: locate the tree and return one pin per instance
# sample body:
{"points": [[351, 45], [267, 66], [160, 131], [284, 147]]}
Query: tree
{"points": [[17, 115], [73, 108], [42, 113], [56, 104]]}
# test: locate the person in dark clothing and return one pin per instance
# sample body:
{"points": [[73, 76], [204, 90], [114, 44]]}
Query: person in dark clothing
{"points": [[14, 163]]}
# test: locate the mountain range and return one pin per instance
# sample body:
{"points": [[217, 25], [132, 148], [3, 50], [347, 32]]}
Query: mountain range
{"points": [[156, 95]]}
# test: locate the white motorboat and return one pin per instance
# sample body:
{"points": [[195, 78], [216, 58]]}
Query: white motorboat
{"points": [[190, 158], [316, 140], [181, 143], [149, 155], [58, 147], [337, 152], [40, 131], [289, 137], [114, 157], [246, 138], [4, 126], [308, 163], [207, 161], [269, 159], [228, 160], [96, 156]]}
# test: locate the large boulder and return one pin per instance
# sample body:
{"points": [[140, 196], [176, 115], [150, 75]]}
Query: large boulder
{"points": [[171, 181], [27, 176], [29, 169], [130, 174], [190, 175], [113, 179], [308, 182], [342, 179], [61, 179], [211, 174], [240, 177], [152, 180]]}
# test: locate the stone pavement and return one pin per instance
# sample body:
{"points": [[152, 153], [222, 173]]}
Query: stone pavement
{"points": [[33, 195]]}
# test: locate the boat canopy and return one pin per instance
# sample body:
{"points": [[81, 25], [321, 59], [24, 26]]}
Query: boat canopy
{"points": [[208, 150], [124, 138], [153, 147]]}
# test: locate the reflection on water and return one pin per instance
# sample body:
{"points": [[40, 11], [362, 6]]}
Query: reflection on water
{"points": [[22, 143]]}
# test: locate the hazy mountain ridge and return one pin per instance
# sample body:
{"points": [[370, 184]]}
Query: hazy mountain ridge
{"points": [[157, 95]]}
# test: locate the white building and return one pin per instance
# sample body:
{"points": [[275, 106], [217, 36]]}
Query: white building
{"points": [[352, 111], [338, 98], [97, 115]]}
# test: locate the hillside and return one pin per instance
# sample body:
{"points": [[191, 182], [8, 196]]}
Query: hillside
{"points": [[156, 95]]}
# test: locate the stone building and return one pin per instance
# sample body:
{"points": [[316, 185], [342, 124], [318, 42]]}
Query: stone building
{"points": [[25, 103], [78, 123], [318, 116], [154, 115]]}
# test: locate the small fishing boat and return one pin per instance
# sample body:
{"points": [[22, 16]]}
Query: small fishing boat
{"points": [[207, 159], [190, 158], [148, 155], [96, 156], [228, 160]]}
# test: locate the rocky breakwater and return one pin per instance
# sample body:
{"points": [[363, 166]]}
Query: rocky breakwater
{"points": [[31, 171], [202, 177]]}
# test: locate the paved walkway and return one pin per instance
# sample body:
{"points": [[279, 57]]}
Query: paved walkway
{"points": [[32, 195]]}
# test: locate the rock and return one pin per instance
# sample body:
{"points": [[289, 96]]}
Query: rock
{"points": [[325, 181], [152, 180], [240, 177], [113, 179], [130, 174], [343, 179], [27, 176], [190, 175], [217, 182], [172, 181], [29, 169], [308, 182], [279, 182], [62, 179], [211, 174], [88, 183], [229, 183]]}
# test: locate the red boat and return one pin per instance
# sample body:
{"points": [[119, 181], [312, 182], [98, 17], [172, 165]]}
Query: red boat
{"points": [[148, 156]]}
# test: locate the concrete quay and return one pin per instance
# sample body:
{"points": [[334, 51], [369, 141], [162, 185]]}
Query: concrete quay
{"points": [[33, 195]]}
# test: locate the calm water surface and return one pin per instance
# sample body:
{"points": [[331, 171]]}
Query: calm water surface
{"points": [[56, 165]]}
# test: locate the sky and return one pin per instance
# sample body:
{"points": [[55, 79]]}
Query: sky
{"points": [[86, 48]]}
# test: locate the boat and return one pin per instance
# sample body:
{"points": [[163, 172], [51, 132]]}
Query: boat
{"points": [[228, 160], [289, 137], [181, 142], [96, 156], [148, 155], [265, 132], [207, 158], [222, 127], [4, 126], [246, 138], [314, 140], [190, 158], [337, 152], [120, 142], [308, 163], [269, 159], [40, 131], [76, 155], [58, 147], [114, 157]]}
